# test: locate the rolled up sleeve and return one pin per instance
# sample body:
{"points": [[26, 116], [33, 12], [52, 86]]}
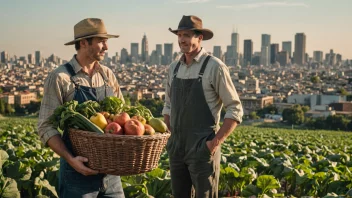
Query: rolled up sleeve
{"points": [[167, 104], [228, 94], [52, 99]]}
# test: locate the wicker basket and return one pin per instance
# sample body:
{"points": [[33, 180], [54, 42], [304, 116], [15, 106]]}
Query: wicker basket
{"points": [[119, 154]]}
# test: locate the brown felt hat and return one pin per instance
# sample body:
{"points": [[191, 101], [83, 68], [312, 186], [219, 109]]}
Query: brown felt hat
{"points": [[193, 23]]}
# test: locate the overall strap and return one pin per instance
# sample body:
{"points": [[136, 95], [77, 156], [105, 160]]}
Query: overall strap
{"points": [[201, 72], [70, 70], [176, 69], [105, 78]]}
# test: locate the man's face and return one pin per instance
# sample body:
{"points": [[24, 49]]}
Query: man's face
{"points": [[188, 40], [96, 50]]}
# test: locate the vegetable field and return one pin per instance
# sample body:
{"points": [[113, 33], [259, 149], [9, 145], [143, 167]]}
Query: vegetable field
{"points": [[263, 162]]}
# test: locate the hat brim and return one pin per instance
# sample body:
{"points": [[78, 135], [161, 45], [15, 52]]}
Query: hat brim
{"points": [[207, 34], [90, 36]]}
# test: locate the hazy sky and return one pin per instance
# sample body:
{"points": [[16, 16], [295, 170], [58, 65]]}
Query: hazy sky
{"points": [[44, 25]]}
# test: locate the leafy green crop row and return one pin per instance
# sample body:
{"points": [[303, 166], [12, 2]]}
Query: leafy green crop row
{"points": [[25, 161], [255, 161]]}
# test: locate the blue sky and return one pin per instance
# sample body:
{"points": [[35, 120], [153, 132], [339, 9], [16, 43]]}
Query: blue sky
{"points": [[46, 25]]}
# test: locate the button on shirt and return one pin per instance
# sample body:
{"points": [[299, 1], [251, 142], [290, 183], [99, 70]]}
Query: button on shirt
{"points": [[59, 89], [217, 86]]}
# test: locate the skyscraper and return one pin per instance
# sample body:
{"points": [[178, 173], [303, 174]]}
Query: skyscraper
{"points": [[274, 50], [300, 49], [4, 57], [256, 58], [145, 53], [217, 52], [287, 46], [265, 56], [266, 40], [283, 58], [318, 56], [155, 59], [332, 58], [38, 57], [235, 40], [124, 56], [117, 58], [235, 43], [31, 59], [134, 53], [247, 52], [230, 59], [168, 52], [338, 58], [159, 49]]}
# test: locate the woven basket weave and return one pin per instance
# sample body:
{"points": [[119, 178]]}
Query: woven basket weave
{"points": [[119, 154]]}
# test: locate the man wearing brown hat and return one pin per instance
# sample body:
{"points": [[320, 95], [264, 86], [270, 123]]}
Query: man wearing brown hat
{"points": [[198, 86], [81, 79]]}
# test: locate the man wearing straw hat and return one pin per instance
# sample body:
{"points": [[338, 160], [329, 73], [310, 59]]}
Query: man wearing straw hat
{"points": [[198, 86], [81, 79]]}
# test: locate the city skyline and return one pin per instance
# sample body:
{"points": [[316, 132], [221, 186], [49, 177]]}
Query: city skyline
{"points": [[38, 27]]}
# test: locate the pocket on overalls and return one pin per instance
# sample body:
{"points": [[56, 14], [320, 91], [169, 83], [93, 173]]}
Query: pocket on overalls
{"points": [[203, 152]]}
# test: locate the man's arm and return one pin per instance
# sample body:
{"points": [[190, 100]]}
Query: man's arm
{"points": [[227, 93], [167, 105], [50, 136], [226, 129]]}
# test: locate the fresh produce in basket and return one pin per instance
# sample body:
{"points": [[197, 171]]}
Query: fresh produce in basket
{"points": [[66, 115], [149, 130], [106, 115], [110, 116], [134, 127], [88, 108], [112, 105], [131, 148], [158, 125], [114, 128], [99, 120], [140, 118], [121, 118]]}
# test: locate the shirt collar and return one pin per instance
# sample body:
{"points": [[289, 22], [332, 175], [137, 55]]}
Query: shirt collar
{"points": [[197, 58], [77, 67]]}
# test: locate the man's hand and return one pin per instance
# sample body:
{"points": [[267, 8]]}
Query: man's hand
{"points": [[226, 129], [212, 146], [77, 164], [58, 146]]}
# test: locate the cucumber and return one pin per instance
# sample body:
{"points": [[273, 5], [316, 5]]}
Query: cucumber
{"points": [[86, 124]]}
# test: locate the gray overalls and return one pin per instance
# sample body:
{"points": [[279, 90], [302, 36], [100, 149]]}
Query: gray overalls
{"points": [[192, 124], [73, 184]]}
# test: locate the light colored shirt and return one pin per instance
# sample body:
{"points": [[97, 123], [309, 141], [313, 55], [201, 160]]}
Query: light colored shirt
{"points": [[59, 89], [217, 85]]}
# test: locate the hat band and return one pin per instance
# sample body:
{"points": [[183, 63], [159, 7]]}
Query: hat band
{"points": [[90, 34], [187, 28]]}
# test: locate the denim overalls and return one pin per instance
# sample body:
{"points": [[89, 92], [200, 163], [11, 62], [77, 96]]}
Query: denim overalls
{"points": [[192, 124]]}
